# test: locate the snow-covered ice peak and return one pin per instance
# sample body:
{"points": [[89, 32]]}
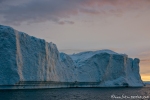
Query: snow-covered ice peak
{"points": [[82, 56]]}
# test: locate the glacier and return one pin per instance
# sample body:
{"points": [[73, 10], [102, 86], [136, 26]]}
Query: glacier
{"points": [[27, 62]]}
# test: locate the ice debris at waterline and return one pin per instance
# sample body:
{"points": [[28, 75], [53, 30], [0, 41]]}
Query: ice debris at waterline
{"points": [[29, 62]]}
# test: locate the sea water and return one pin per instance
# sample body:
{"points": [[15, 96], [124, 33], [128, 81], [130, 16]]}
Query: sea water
{"points": [[77, 94]]}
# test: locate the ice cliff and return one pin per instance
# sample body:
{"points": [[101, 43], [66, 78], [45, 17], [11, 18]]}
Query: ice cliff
{"points": [[27, 61]]}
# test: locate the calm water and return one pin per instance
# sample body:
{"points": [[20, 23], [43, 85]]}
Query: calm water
{"points": [[77, 94]]}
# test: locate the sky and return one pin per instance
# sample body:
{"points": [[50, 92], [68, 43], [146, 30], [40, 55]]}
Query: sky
{"points": [[85, 25]]}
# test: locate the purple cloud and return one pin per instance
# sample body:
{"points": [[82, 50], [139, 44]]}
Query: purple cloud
{"points": [[33, 11]]}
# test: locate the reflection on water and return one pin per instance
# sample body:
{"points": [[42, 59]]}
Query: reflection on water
{"points": [[76, 94], [147, 85]]}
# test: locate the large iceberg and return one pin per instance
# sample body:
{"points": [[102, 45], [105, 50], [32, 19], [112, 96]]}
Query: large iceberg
{"points": [[29, 62]]}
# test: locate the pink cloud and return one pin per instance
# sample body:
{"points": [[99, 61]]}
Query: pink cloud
{"points": [[53, 10]]}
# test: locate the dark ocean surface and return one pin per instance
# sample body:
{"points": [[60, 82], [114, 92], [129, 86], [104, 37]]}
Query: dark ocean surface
{"points": [[77, 94]]}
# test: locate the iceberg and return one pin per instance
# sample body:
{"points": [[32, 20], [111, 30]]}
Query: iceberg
{"points": [[27, 62]]}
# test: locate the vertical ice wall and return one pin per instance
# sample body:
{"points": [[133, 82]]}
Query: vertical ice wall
{"points": [[24, 58]]}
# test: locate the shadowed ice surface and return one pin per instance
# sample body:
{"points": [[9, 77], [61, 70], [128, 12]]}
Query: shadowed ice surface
{"points": [[77, 94], [29, 59]]}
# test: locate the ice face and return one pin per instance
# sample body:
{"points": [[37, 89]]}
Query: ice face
{"points": [[24, 58]]}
